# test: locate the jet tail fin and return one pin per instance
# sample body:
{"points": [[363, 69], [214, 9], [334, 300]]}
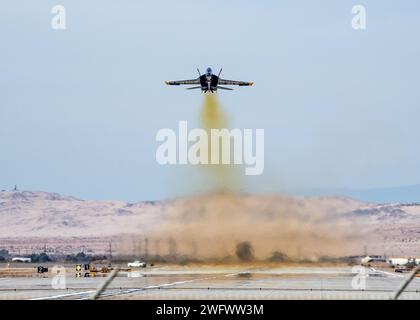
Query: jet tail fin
{"points": [[191, 88], [224, 88]]}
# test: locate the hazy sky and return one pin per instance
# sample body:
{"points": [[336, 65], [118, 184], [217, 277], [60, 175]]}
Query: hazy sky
{"points": [[80, 108]]}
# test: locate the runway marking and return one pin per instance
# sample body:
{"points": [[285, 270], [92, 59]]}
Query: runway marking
{"points": [[64, 295], [165, 285], [390, 274], [116, 292]]}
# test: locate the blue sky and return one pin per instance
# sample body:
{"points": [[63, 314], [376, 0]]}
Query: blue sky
{"points": [[80, 108]]}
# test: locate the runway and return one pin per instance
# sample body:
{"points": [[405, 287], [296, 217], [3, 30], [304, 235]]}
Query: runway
{"points": [[171, 283]]}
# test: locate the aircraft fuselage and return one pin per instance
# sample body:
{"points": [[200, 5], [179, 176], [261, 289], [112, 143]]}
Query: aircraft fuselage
{"points": [[209, 83]]}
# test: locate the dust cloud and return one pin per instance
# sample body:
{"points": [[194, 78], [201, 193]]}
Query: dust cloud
{"points": [[211, 225]]}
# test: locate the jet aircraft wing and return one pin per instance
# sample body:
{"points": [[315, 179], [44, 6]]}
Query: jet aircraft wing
{"points": [[177, 83], [234, 82]]}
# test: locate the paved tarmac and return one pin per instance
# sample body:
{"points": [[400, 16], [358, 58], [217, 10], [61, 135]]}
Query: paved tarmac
{"points": [[216, 283]]}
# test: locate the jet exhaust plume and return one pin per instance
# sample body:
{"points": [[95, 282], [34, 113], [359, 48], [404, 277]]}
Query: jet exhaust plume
{"points": [[221, 177]]}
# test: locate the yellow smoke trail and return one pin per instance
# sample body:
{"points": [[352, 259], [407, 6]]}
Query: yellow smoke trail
{"points": [[212, 114], [223, 177]]}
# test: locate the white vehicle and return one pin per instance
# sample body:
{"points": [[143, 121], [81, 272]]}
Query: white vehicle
{"points": [[397, 261], [136, 264], [403, 264], [21, 259]]}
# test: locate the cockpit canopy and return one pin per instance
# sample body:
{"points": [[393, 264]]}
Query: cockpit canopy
{"points": [[209, 72]]}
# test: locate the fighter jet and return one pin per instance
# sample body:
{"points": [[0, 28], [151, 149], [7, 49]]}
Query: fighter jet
{"points": [[209, 82]]}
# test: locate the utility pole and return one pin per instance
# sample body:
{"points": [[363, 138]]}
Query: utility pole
{"points": [[172, 248], [110, 251], [157, 247], [139, 246], [194, 249], [146, 247]]}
